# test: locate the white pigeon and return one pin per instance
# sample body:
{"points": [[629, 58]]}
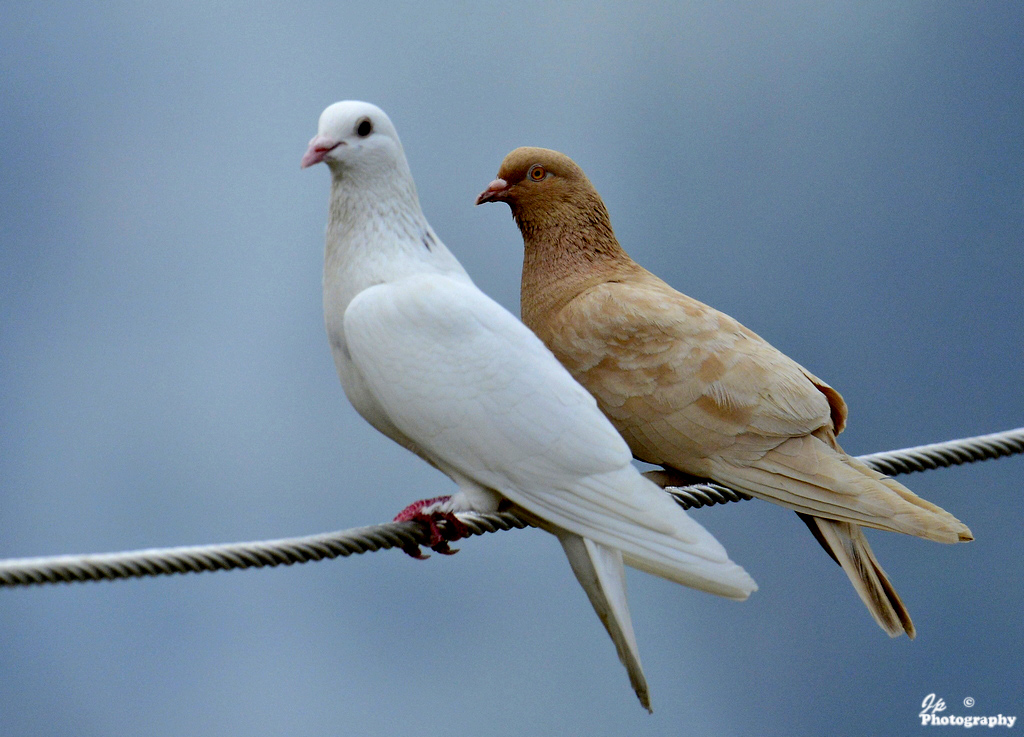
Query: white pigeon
{"points": [[443, 370]]}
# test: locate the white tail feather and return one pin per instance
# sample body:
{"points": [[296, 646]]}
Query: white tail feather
{"points": [[601, 574]]}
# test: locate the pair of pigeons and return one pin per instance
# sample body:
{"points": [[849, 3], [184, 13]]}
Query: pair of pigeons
{"points": [[611, 364]]}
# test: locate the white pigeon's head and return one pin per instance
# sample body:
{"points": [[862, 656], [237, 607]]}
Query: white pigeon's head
{"points": [[352, 135]]}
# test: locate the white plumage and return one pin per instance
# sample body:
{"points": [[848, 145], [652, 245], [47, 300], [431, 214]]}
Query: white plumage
{"points": [[436, 365]]}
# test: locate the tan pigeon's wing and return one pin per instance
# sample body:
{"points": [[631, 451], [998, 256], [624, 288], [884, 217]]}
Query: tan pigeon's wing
{"points": [[836, 403], [689, 382], [692, 389]]}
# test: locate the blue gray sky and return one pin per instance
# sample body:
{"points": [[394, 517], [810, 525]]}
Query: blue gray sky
{"points": [[846, 179]]}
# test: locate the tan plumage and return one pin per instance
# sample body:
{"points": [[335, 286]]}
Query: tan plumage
{"points": [[693, 390]]}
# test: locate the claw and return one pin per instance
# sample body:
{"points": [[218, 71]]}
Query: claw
{"points": [[413, 551], [438, 538]]}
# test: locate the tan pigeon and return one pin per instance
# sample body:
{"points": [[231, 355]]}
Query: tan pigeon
{"points": [[693, 390]]}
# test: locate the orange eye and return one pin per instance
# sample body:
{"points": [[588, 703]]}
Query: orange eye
{"points": [[537, 172]]}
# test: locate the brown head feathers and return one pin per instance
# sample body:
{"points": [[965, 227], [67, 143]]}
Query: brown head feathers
{"points": [[547, 189], [568, 241]]}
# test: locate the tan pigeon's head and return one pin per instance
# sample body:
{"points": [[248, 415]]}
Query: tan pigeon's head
{"points": [[539, 183]]}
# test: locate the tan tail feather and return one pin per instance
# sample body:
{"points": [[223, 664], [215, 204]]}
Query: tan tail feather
{"points": [[849, 548], [963, 532], [812, 474]]}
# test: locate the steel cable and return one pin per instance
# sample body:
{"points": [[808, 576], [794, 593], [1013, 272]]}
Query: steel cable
{"points": [[195, 559]]}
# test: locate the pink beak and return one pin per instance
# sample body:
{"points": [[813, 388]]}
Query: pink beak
{"points": [[319, 147], [494, 192]]}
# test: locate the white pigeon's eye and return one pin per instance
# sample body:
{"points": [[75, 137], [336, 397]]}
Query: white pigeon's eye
{"points": [[364, 128], [536, 172]]}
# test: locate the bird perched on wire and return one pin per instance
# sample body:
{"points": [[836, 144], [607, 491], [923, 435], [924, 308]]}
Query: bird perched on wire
{"points": [[440, 368], [693, 390]]}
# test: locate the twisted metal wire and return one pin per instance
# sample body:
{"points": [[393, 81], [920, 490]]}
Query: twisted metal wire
{"points": [[229, 556], [407, 535], [951, 453]]}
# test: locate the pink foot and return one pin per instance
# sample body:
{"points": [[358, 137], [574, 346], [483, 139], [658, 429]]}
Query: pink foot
{"points": [[439, 539]]}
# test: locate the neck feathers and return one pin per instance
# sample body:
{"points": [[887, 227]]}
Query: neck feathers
{"points": [[360, 200], [377, 233], [569, 247], [374, 217]]}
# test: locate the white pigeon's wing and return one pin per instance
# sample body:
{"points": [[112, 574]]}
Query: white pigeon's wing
{"points": [[459, 374], [481, 395]]}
